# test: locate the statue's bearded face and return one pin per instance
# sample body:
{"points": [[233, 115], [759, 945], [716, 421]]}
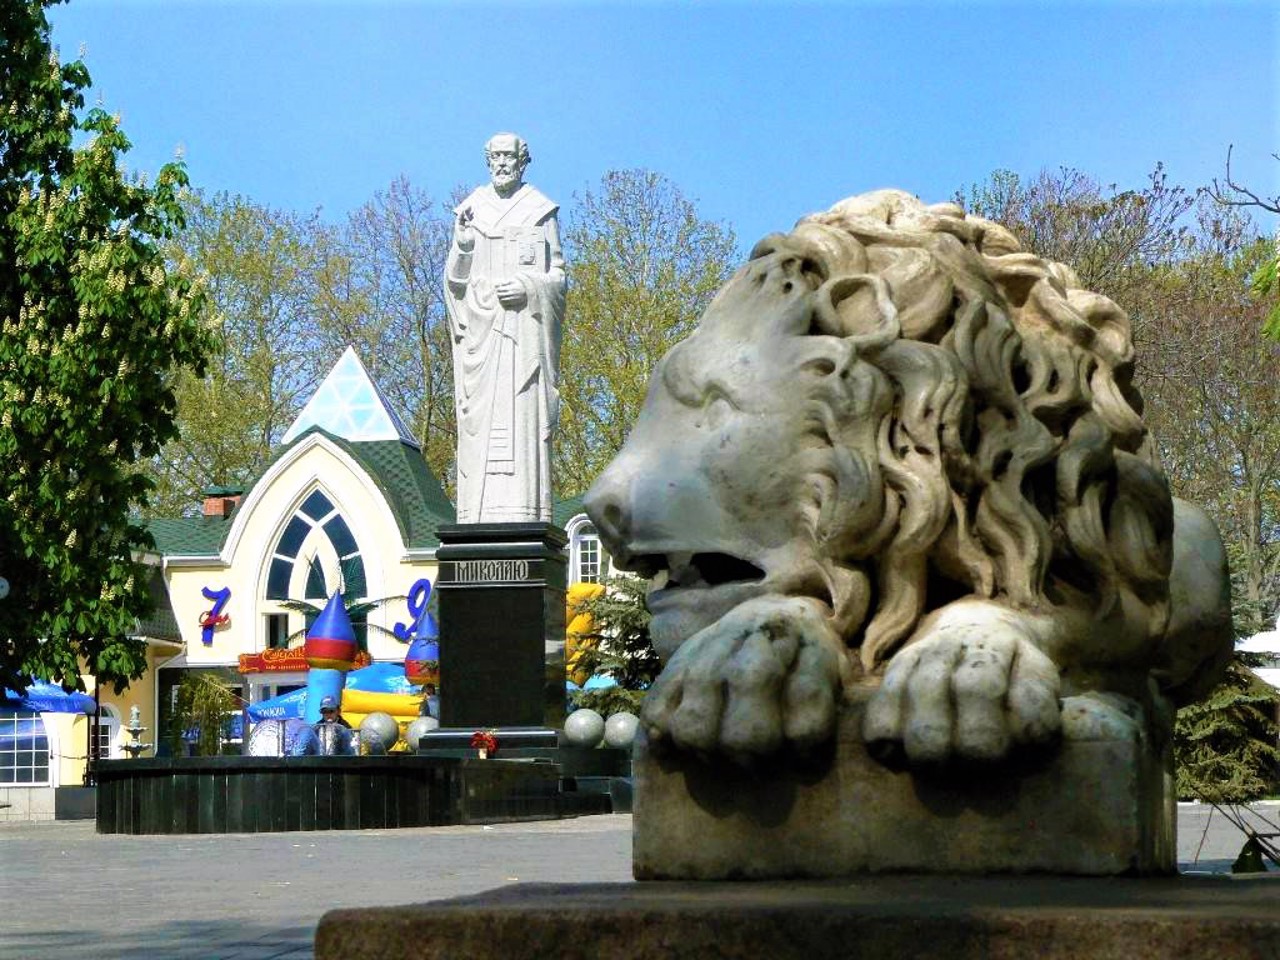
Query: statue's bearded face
{"points": [[505, 167]]}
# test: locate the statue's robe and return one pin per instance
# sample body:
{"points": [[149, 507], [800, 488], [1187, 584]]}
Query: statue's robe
{"points": [[505, 361]]}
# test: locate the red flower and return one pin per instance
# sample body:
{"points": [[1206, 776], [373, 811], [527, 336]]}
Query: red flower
{"points": [[484, 740]]}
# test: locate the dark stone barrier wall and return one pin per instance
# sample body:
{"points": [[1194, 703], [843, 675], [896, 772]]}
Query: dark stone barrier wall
{"points": [[270, 794]]}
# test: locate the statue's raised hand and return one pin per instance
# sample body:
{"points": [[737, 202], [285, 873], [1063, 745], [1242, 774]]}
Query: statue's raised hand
{"points": [[463, 234]]}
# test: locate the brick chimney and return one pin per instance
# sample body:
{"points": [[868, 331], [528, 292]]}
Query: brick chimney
{"points": [[221, 501]]}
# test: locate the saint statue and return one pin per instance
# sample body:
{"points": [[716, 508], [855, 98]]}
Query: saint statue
{"points": [[504, 289]]}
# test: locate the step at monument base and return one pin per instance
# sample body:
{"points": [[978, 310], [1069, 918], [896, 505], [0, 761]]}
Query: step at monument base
{"points": [[901, 917]]}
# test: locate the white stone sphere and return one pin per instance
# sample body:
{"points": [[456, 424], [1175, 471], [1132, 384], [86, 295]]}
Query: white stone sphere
{"points": [[381, 729], [620, 730], [584, 728], [335, 740], [266, 739], [282, 738], [418, 729]]}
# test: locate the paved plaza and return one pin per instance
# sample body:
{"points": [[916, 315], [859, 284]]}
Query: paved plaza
{"points": [[71, 894]]}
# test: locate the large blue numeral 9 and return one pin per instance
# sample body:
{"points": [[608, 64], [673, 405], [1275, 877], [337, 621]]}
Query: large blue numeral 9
{"points": [[422, 624]]}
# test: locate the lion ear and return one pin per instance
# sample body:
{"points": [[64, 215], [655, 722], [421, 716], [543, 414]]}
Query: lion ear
{"points": [[770, 244], [857, 306]]}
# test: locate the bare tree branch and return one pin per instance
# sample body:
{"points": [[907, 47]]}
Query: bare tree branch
{"points": [[1236, 195]]}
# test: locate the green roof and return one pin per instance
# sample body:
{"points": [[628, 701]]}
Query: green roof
{"points": [[189, 536], [415, 496], [562, 511], [160, 624], [399, 470], [417, 500]]}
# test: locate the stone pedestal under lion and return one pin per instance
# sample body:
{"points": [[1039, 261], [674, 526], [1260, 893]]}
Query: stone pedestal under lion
{"points": [[922, 594]]}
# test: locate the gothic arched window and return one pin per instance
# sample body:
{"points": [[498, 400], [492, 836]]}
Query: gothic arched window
{"points": [[315, 540]]}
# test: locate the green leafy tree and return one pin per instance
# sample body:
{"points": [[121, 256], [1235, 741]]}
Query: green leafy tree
{"points": [[1266, 280], [95, 323], [260, 267], [287, 294], [622, 650], [379, 288], [642, 268], [1110, 237], [1213, 404], [1213, 400], [1225, 746], [203, 709]]}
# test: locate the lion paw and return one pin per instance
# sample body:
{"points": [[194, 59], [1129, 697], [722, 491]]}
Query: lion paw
{"points": [[766, 674], [966, 691]]}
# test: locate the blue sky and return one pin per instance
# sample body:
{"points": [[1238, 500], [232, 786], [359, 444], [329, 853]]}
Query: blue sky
{"points": [[761, 112]]}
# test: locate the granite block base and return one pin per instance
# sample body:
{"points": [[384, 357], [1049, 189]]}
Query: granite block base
{"points": [[871, 918], [1099, 803]]}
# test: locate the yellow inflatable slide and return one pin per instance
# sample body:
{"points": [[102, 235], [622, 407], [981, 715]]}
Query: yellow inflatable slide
{"points": [[358, 704], [580, 626]]}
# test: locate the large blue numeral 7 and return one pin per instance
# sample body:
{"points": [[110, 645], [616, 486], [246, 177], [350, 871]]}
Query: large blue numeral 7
{"points": [[213, 617]]}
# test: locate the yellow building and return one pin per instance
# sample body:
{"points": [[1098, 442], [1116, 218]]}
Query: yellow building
{"points": [[347, 503]]}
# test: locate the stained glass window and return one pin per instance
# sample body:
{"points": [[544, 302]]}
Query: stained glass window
{"points": [[297, 545], [349, 405]]}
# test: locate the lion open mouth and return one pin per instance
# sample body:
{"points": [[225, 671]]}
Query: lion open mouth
{"points": [[689, 591], [694, 570]]}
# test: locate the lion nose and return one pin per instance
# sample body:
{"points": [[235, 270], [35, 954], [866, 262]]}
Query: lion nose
{"points": [[607, 506]]}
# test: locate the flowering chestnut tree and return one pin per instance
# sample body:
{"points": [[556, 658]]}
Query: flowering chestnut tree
{"points": [[94, 326]]}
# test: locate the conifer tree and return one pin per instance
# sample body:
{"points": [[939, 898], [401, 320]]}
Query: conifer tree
{"points": [[1225, 746], [620, 647]]}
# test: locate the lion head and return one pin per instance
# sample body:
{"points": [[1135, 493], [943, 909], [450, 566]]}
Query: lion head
{"points": [[890, 408]]}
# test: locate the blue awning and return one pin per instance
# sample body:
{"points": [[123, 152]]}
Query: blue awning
{"points": [[598, 682], [49, 698], [287, 706]]}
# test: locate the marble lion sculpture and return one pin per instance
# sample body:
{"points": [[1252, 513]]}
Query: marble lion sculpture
{"points": [[900, 455]]}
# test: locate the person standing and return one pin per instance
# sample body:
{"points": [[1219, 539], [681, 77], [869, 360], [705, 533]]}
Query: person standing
{"points": [[505, 293], [430, 701], [331, 712]]}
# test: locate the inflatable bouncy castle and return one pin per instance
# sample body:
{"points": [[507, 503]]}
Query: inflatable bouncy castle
{"points": [[331, 651]]}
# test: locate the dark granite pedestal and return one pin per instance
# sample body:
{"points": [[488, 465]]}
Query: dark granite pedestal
{"points": [[501, 589], [1100, 802], [873, 918], [592, 780]]}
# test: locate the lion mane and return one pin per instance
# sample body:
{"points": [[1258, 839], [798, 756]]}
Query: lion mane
{"points": [[1010, 445]]}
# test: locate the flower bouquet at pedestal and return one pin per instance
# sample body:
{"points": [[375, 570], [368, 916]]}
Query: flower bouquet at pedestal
{"points": [[485, 743]]}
